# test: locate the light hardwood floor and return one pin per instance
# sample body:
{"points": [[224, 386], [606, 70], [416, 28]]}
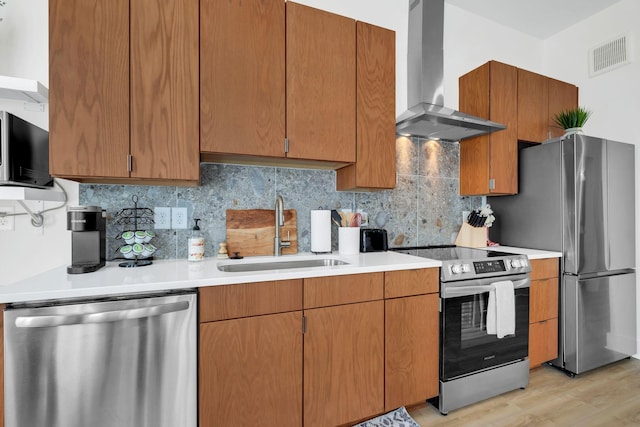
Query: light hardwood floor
{"points": [[608, 396]]}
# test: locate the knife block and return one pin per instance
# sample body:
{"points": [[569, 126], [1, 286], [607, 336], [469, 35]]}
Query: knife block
{"points": [[472, 237]]}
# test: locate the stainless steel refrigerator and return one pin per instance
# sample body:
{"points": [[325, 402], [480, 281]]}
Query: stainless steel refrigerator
{"points": [[576, 196]]}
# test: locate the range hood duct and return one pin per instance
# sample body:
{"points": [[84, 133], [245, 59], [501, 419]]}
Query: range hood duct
{"points": [[428, 118]]}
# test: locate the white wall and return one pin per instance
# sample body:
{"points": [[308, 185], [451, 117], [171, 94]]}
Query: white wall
{"points": [[471, 40], [24, 53]]}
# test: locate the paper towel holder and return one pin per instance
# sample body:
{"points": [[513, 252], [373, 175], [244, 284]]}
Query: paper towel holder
{"points": [[320, 231]]}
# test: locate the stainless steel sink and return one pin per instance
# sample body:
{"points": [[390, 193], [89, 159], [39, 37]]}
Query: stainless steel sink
{"points": [[279, 265]]}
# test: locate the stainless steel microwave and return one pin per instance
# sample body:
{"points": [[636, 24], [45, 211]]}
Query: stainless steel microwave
{"points": [[24, 153]]}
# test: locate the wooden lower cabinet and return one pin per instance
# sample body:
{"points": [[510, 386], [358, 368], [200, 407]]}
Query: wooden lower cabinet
{"points": [[343, 363], [323, 351], [543, 311], [411, 350], [543, 342], [251, 371]]}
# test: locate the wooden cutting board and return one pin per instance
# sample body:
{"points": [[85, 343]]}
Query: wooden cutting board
{"points": [[251, 231]]}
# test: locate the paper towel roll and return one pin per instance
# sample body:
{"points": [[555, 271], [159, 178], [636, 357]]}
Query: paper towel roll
{"points": [[320, 231]]}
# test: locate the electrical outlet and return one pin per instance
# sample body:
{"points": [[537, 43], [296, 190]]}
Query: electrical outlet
{"points": [[178, 218], [7, 223], [162, 218]]}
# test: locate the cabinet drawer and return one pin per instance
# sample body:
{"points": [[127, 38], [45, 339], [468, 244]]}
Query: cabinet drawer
{"points": [[249, 299], [543, 342], [543, 300], [336, 290], [411, 282], [544, 268]]}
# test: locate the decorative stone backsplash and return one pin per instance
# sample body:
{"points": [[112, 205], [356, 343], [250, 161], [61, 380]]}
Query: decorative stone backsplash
{"points": [[423, 209]]}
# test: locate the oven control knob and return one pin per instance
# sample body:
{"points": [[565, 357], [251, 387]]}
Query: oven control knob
{"points": [[456, 268], [516, 263], [466, 268]]}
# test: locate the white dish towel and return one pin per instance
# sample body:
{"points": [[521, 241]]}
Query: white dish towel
{"points": [[501, 309]]}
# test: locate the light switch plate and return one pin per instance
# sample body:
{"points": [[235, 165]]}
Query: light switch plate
{"points": [[178, 218], [162, 218]]}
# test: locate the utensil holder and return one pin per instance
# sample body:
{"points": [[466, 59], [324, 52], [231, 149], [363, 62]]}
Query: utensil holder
{"points": [[348, 240]]}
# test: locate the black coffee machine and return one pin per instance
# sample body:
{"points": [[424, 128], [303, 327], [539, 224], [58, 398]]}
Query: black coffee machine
{"points": [[88, 238]]}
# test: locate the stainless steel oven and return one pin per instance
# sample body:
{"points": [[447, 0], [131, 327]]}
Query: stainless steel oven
{"points": [[466, 347], [475, 364]]}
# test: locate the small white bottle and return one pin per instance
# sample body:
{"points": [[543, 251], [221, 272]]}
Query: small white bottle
{"points": [[195, 248]]}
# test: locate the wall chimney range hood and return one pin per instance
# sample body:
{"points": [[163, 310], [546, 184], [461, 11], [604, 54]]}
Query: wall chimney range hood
{"points": [[428, 118]]}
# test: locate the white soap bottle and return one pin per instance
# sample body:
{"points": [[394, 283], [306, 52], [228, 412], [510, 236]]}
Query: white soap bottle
{"points": [[195, 249]]}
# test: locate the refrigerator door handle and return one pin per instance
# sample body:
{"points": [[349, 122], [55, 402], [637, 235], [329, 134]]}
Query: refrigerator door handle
{"points": [[605, 215], [102, 317]]}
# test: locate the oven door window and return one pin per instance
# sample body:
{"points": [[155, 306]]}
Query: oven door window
{"points": [[466, 347]]}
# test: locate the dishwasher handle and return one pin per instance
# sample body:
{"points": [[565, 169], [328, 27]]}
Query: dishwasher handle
{"points": [[102, 317]]}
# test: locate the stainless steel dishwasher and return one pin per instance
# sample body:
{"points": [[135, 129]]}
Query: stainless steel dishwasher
{"points": [[127, 361]]}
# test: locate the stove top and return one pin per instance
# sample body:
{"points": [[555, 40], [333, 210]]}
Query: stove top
{"points": [[451, 252], [462, 263]]}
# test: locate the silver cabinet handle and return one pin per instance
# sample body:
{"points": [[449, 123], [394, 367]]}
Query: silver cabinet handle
{"points": [[103, 317]]}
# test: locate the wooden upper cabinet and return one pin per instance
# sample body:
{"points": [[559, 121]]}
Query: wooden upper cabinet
{"points": [[523, 101], [539, 99], [242, 68], [533, 106], [321, 85], [124, 82], [488, 163], [164, 90], [89, 88], [562, 96], [375, 166]]}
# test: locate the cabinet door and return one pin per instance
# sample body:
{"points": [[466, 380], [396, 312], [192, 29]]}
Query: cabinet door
{"points": [[89, 88], [489, 163], [242, 68], [411, 350], [543, 300], [321, 85], [343, 363], [533, 106], [164, 90], [543, 342], [251, 371], [503, 154], [562, 96], [375, 166]]}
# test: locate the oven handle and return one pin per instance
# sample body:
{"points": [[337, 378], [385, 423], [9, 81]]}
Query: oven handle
{"points": [[459, 291]]}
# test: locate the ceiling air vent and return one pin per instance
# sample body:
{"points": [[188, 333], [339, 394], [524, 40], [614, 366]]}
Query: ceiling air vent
{"points": [[610, 55]]}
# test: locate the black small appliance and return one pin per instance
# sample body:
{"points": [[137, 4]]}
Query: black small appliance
{"points": [[88, 239], [373, 240]]}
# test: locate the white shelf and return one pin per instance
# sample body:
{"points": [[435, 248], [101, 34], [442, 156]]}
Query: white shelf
{"points": [[27, 193], [23, 90]]}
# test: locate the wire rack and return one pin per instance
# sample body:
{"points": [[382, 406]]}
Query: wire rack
{"points": [[133, 219]]}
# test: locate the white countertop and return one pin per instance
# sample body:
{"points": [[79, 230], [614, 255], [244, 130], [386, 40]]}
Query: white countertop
{"points": [[530, 253], [179, 274]]}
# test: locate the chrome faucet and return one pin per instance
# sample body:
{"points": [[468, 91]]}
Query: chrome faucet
{"points": [[277, 243]]}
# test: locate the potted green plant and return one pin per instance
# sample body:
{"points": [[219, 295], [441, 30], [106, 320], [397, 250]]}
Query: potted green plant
{"points": [[572, 120]]}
